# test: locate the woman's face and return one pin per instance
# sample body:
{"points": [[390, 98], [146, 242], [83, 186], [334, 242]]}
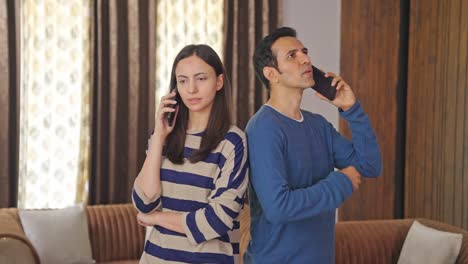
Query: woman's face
{"points": [[197, 84]]}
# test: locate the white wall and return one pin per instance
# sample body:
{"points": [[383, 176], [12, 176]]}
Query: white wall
{"points": [[318, 27]]}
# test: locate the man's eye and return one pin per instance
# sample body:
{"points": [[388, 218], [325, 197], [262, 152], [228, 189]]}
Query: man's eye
{"points": [[202, 78]]}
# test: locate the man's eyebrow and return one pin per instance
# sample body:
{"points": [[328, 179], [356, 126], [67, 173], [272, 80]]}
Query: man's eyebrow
{"points": [[291, 51]]}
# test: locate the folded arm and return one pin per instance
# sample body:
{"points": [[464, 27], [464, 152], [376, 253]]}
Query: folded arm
{"points": [[280, 203]]}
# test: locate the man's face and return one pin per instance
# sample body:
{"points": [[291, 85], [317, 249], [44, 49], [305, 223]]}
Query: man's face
{"points": [[295, 68]]}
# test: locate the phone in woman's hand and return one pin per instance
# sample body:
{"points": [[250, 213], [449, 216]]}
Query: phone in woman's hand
{"points": [[323, 84], [171, 115]]}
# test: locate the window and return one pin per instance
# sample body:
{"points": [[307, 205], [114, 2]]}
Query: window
{"points": [[55, 86], [55, 67]]}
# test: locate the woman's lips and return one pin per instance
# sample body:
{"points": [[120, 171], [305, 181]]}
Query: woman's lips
{"points": [[194, 100]]}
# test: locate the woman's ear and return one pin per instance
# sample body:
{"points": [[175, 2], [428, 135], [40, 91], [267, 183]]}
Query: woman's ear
{"points": [[219, 82]]}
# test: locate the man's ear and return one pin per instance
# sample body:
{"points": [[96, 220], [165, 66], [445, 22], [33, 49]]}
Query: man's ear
{"points": [[270, 73], [219, 82]]}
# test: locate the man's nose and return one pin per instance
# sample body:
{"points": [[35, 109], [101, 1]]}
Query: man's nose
{"points": [[305, 59]]}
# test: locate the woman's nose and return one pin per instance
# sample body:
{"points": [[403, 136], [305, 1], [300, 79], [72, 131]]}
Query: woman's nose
{"points": [[192, 87]]}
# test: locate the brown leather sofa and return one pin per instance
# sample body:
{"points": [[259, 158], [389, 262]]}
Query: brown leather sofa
{"points": [[373, 241], [116, 237]]}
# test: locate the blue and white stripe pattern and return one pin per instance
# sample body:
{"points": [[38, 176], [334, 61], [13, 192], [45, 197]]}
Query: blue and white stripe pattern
{"points": [[210, 193]]}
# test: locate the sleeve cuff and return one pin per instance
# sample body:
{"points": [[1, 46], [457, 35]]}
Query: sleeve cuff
{"points": [[345, 184], [143, 197], [352, 112], [188, 231], [144, 204]]}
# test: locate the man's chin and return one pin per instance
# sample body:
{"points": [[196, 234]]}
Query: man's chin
{"points": [[308, 84]]}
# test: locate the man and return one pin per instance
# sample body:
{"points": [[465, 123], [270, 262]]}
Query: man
{"points": [[293, 153]]}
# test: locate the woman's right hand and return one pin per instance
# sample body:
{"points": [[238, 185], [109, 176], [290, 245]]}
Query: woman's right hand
{"points": [[162, 128]]}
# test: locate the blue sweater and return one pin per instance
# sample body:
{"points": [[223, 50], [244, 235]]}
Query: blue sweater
{"points": [[294, 189]]}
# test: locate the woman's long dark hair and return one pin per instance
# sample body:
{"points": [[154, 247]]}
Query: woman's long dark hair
{"points": [[219, 121]]}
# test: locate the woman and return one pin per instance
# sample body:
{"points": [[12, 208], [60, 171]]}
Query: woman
{"points": [[192, 184]]}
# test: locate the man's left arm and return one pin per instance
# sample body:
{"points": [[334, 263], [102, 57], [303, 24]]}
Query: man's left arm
{"points": [[363, 152]]}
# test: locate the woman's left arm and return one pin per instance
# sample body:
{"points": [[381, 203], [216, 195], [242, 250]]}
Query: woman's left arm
{"points": [[168, 220], [224, 203]]}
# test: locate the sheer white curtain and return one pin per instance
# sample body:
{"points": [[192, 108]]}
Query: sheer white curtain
{"points": [[184, 22], [55, 84], [55, 87]]}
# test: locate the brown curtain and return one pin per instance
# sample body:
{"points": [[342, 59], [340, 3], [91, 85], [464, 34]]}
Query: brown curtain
{"points": [[245, 24], [9, 101], [123, 96]]}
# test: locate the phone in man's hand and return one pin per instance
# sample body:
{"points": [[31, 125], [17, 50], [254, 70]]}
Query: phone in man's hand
{"points": [[171, 115], [323, 84]]}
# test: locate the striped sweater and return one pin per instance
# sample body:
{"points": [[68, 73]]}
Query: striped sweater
{"points": [[210, 193]]}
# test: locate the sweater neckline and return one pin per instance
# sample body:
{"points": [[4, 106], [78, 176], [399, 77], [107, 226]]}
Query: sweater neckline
{"points": [[300, 120]]}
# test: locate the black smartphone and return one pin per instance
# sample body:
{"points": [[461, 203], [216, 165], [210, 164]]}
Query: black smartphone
{"points": [[171, 115], [323, 84]]}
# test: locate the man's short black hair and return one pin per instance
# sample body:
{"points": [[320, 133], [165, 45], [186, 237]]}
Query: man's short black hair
{"points": [[263, 56]]}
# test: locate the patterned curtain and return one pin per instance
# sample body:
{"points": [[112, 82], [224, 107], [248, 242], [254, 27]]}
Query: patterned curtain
{"points": [[180, 23], [136, 42], [123, 95], [54, 126], [60, 42], [246, 23]]}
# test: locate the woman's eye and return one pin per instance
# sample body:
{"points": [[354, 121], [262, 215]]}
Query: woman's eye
{"points": [[181, 81]]}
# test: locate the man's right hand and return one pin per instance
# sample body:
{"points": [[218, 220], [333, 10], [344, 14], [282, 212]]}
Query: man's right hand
{"points": [[353, 175]]}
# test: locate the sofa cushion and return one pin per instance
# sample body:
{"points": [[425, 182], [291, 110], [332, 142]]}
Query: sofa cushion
{"points": [[427, 245], [60, 235]]}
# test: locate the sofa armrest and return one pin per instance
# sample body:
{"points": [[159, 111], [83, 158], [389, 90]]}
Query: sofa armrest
{"points": [[463, 257], [14, 240], [378, 241], [114, 232]]}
